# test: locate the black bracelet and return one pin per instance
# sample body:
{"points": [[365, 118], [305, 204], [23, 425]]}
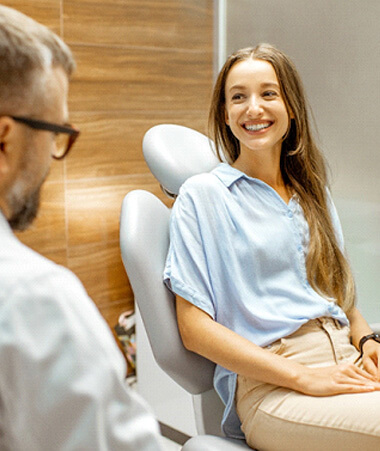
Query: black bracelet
{"points": [[364, 339]]}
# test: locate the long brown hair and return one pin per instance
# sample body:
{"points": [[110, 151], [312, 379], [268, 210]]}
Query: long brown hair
{"points": [[303, 169]]}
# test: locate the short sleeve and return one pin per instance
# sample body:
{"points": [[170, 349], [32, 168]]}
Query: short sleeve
{"points": [[187, 270]]}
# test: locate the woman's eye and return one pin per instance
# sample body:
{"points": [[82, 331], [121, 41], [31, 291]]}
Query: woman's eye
{"points": [[270, 94], [237, 96]]}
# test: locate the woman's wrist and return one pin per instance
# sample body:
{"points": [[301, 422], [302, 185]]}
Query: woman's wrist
{"points": [[301, 379], [366, 340]]}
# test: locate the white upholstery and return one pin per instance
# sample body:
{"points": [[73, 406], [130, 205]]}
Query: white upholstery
{"points": [[212, 443], [144, 241], [173, 153]]}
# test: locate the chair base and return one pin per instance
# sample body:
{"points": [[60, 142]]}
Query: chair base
{"points": [[213, 443]]}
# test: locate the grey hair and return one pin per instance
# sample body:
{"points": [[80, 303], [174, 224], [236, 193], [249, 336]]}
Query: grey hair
{"points": [[28, 51]]}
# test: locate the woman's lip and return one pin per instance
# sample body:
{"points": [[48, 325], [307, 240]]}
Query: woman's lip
{"points": [[257, 126]]}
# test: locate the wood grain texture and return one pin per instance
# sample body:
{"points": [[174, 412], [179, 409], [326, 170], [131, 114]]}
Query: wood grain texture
{"points": [[139, 63], [99, 268], [57, 171], [110, 144], [93, 207], [93, 235], [161, 24], [47, 12], [47, 234], [115, 79]]}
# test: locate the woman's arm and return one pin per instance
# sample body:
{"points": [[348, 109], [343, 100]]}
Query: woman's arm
{"points": [[202, 335], [371, 349]]}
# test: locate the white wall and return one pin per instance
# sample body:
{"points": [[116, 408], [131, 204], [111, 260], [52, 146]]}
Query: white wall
{"points": [[336, 48]]}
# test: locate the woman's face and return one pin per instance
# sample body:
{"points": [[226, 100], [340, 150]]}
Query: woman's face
{"points": [[255, 110]]}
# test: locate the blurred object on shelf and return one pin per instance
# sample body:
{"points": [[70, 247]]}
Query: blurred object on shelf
{"points": [[126, 332]]}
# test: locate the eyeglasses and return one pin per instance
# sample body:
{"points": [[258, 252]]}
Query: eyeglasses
{"points": [[65, 135]]}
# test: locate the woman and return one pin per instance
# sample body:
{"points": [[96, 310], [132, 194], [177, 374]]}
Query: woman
{"points": [[262, 285]]}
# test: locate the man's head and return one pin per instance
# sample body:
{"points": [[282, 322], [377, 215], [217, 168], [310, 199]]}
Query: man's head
{"points": [[35, 66]]}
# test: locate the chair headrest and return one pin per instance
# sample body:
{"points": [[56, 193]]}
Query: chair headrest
{"points": [[174, 153]]}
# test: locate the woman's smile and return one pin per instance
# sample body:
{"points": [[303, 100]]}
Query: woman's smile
{"points": [[257, 126]]}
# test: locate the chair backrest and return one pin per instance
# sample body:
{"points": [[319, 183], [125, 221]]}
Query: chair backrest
{"points": [[173, 153], [144, 241]]}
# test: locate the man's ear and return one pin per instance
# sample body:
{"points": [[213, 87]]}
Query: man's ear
{"points": [[6, 127]]}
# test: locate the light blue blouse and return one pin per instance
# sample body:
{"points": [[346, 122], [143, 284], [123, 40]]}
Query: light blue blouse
{"points": [[238, 252]]}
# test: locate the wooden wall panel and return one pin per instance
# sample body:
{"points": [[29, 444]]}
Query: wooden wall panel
{"points": [[48, 12], [179, 24], [94, 251], [110, 143], [93, 207], [129, 79], [140, 63], [47, 234]]}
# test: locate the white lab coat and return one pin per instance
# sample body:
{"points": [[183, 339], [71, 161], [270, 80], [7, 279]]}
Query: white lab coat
{"points": [[62, 377]]}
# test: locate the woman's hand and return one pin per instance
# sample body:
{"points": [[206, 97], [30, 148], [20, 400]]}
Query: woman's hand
{"points": [[371, 358], [201, 334], [338, 379]]}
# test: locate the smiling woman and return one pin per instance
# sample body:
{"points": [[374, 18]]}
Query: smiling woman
{"points": [[294, 165], [257, 263]]}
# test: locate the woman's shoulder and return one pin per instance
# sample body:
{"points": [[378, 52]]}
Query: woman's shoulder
{"points": [[201, 184]]}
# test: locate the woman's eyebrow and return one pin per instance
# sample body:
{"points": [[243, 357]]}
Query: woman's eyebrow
{"points": [[237, 87], [270, 85]]}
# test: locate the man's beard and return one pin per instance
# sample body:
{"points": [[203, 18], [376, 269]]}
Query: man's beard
{"points": [[24, 209]]}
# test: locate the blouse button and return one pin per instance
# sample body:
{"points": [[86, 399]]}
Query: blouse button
{"points": [[332, 308]]}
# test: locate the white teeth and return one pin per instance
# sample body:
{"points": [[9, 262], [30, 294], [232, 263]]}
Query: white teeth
{"points": [[256, 127]]}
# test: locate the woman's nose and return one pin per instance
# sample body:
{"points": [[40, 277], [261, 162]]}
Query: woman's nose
{"points": [[254, 106]]}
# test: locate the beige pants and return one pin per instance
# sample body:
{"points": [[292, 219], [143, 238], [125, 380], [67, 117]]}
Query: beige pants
{"points": [[278, 419]]}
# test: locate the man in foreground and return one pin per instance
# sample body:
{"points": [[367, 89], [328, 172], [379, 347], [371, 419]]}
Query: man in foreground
{"points": [[62, 377]]}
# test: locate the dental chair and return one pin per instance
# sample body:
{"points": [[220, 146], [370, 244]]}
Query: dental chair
{"points": [[173, 153]]}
